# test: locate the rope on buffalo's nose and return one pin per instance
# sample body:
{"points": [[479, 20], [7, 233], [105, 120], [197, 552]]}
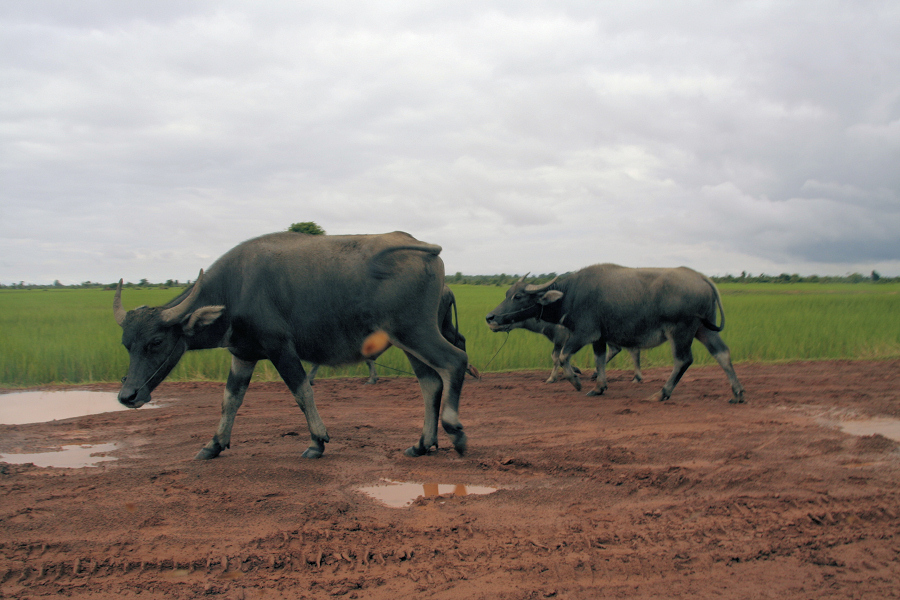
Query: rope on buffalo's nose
{"points": [[517, 313], [497, 352]]}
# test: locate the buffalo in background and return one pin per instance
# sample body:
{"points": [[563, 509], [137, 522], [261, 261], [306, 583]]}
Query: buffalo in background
{"points": [[631, 308], [559, 334]]}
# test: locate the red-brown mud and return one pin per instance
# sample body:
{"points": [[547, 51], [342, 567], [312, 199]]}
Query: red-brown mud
{"points": [[612, 497]]}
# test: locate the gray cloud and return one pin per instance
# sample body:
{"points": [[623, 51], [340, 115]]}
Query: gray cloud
{"points": [[143, 141]]}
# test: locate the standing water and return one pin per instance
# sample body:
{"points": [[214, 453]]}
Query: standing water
{"points": [[39, 407], [21, 408], [397, 494], [71, 457], [887, 427]]}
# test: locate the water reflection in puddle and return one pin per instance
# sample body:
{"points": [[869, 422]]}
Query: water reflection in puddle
{"points": [[398, 494], [38, 407], [889, 428], [68, 457]]}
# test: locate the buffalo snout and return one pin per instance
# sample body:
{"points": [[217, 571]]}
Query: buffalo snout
{"points": [[493, 322], [133, 398], [128, 399]]}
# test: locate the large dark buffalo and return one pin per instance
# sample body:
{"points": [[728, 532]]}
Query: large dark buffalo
{"points": [[446, 313], [631, 308], [559, 334], [288, 297]]}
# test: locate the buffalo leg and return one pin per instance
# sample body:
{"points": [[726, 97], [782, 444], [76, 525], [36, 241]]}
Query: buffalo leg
{"points": [[611, 352], [373, 374], [235, 388], [432, 390], [571, 347], [568, 372], [303, 395], [715, 345], [682, 359], [636, 359], [601, 360], [556, 368], [441, 369], [291, 370]]}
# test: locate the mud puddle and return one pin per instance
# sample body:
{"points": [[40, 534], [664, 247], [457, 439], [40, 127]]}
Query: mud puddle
{"points": [[67, 457], [399, 494], [20, 408], [889, 428]]}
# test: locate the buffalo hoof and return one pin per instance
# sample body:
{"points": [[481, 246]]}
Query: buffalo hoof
{"points": [[659, 396], [637, 379], [312, 453], [576, 384], [211, 450], [552, 380], [206, 454], [415, 451], [460, 444], [737, 399], [596, 392]]}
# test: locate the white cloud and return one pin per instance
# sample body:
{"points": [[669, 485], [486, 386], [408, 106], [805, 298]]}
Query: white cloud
{"points": [[143, 141]]}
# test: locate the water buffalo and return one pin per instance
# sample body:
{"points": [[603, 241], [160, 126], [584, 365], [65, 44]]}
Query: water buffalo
{"points": [[288, 297], [631, 308], [446, 312], [559, 334]]}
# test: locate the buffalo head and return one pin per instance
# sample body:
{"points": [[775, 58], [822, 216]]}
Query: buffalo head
{"points": [[156, 338], [523, 301]]}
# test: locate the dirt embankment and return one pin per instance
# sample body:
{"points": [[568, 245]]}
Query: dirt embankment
{"points": [[612, 497]]}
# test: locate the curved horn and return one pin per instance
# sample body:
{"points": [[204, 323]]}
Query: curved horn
{"points": [[521, 279], [171, 315], [118, 311], [539, 288]]}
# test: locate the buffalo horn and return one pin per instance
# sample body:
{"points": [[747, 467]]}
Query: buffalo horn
{"points": [[523, 277], [171, 315], [118, 311], [539, 288]]}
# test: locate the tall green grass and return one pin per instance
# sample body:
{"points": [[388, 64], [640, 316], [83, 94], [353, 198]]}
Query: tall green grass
{"points": [[70, 336]]}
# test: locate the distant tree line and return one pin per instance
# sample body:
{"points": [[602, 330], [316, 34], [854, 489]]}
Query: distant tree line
{"points": [[89, 285], [501, 280], [505, 280], [744, 277]]}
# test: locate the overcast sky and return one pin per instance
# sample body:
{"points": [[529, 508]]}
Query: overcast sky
{"points": [[144, 139]]}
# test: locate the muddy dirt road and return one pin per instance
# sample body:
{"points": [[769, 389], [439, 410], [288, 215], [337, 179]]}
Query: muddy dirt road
{"points": [[613, 497]]}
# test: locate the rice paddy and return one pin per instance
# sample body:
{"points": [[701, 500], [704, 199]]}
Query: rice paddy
{"points": [[70, 336]]}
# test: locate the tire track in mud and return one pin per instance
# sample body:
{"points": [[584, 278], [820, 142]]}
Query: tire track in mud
{"points": [[599, 552]]}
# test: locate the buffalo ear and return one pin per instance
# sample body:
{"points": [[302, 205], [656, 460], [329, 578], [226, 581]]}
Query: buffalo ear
{"points": [[202, 317], [550, 297]]}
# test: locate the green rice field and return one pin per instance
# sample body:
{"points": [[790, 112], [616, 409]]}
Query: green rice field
{"points": [[70, 336]]}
